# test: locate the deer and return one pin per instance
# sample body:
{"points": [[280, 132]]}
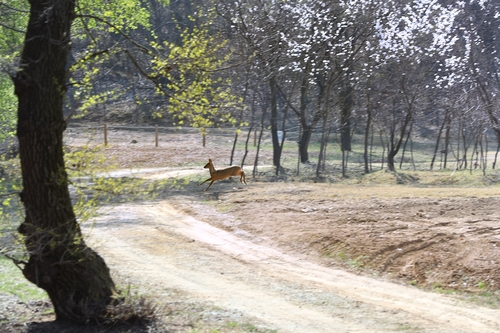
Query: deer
{"points": [[223, 173]]}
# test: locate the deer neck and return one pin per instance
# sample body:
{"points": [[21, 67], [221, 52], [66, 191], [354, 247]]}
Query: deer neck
{"points": [[211, 168]]}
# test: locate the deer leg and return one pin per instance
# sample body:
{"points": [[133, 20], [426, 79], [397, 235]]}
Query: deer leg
{"points": [[204, 181], [243, 178], [209, 185]]}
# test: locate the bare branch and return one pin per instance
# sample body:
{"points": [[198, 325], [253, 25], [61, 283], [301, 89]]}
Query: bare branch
{"points": [[11, 28], [14, 8], [131, 40]]}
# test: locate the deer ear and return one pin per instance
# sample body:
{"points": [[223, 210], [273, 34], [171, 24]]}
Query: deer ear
{"points": [[210, 160]]}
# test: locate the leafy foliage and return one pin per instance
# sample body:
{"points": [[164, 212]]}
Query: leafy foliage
{"points": [[14, 19], [102, 32], [7, 108], [198, 96], [111, 16], [11, 212]]}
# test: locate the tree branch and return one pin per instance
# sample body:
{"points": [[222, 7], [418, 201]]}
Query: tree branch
{"points": [[131, 40]]}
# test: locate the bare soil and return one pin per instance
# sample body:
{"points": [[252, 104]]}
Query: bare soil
{"points": [[437, 237], [300, 256]]}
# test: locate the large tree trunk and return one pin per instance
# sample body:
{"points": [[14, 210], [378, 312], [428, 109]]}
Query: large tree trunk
{"points": [[75, 277]]}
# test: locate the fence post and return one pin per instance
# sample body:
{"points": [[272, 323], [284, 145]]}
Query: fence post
{"points": [[105, 134], [204, 139], [156, 135]]}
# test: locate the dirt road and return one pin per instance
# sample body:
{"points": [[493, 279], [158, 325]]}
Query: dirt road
{"points": [[157, 244]]}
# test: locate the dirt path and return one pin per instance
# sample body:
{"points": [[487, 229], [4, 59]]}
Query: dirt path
{"points": [[159, 245]]}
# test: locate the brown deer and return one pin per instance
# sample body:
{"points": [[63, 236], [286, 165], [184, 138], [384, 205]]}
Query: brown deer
{"points": [[223, 173]]}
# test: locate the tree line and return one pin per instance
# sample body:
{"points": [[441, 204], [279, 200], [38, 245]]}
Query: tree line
{"points": [[386, 69], [391, 71]]}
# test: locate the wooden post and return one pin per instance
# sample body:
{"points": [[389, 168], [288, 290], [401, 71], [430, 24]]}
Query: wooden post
{"points": [[156, 135], [204, 139], [105, 134], [255, 137]]}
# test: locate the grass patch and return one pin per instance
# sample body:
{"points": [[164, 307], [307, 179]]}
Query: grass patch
{"points": [[438, 287], [489, 299], [357, 262], [14, 283], [463, 178]]}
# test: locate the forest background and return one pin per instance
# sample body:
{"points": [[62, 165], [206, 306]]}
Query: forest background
{"points": [[376, 78]]}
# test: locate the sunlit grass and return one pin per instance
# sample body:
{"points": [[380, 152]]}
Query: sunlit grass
{"points": [[13, 282]]}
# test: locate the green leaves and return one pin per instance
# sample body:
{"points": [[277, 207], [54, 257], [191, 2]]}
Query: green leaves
{"points": [[101, 32], [14, 20], [8, 105], [199, 95], [111, 16], [11, 212]]}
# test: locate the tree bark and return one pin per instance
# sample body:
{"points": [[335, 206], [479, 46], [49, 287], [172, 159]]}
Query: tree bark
{"points": [[408, 138], [367, 133], [256, 160], [75, 277], [438, 140], [274, 124], [346, 105], [396, 136], [447, 139]]}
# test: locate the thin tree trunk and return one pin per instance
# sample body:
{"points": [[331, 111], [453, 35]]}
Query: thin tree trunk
{"points": [[460, 160], [252, 128], [75, 277], [274, 125], [464, 159], [367, 134], [484, 153], [412, 156], [447, 142], [233, 150], [307, 129], [322, 148], [383, 150], [394, 143], [234, 147], [283, 137], [256, 161], [343, 163], [438, 139], [327, 138], [324, 135], [474, 160], [404, 147], [298, 150], [370, 157], [496, 154], [246, 146]]}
